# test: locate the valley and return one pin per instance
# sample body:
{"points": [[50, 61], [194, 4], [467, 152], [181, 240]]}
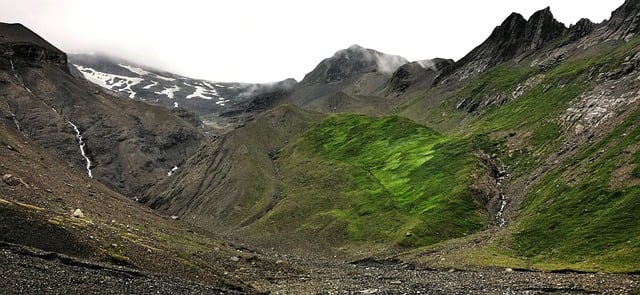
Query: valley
{"points": [[514, 170]]}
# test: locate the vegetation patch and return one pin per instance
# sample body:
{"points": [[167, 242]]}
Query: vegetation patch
{"points": [[29, 206], [589, 225], [498, 79], [379, 180], [5, 202]]}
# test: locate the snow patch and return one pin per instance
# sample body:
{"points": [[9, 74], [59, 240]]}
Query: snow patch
{"points": [[136, 70], [169, 91], [222, 101], [202, 92], [164, 78], [150, 85], [175, 104], [110, 81], [15, 121]]}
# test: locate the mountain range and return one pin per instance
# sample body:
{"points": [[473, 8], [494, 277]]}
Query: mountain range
{"points": [[524, 154], [220, 105]]}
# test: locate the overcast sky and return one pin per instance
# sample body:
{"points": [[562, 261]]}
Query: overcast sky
{"points": [[263, 41]]}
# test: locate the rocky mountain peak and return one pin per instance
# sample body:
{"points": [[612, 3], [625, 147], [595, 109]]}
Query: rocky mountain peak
{"points": [[625, 21], [516, 35], [542, 27], [352, 61], [580, 29], [512, 38], [18, 44]]}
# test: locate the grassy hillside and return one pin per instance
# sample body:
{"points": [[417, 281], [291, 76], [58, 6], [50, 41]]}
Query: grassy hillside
{"points": [[354, 178], [584, 213], [580, 214]]}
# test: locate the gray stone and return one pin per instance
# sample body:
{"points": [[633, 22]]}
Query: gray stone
{"points": [[78, 213]]}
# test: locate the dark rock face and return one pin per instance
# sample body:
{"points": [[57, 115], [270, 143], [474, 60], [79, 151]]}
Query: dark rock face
{"points": [[417, 74], [582, 28], [131, 145], [19, 43], [625, 21], [516, 36], [511, 39], [541, 28], [350, 62]]}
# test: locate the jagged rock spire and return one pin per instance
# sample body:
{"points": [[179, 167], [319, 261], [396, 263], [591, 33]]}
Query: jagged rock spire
{"points": [[516, 35]]}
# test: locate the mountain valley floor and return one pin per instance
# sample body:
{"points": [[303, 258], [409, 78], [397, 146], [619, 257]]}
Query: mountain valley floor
{"points": [[29, 271]]}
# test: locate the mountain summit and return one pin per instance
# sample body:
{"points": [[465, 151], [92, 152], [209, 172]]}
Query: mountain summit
{"points": [[353, 61], [512, 38], [19, 43]]}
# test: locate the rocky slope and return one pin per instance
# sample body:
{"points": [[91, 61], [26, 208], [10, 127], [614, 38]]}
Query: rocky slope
{"points": [[232, 180], [352, 80], [126, 144], [562, 120], [60, 229], [526, 105], [524, 155], [515, 37], [219, 104]]}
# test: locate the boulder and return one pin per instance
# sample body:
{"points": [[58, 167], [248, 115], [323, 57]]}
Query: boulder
{"points": [[12, 180], [78, 213]]}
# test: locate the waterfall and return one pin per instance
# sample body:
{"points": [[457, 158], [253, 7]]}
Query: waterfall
{"points": [[500, 177], [82, 145], [15, 121]]}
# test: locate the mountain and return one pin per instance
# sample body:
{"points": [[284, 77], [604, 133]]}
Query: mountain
{"points": [[532, 135], [623, 23], [353, 79], [417, 75], [219, 104], [67, 148], [61, 230], [522, 155], [126, 144], [514, 37], [233, 180]]}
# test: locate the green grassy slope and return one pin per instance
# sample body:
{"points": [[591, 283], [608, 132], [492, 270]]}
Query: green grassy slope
{"points": [[354, 178], [582, 214]]}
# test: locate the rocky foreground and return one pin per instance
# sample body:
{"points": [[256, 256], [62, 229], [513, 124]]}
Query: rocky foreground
{"points": [[29, 271]]}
